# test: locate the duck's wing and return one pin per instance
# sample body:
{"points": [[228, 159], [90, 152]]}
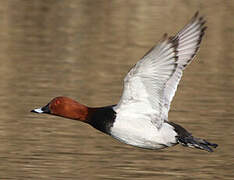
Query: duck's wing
{"points": [[150, 85]]}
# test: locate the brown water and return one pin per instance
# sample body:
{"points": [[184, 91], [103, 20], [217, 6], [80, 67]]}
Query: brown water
{"points": [[83, 49]]}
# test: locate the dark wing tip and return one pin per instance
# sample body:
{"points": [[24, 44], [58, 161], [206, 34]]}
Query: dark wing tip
{"points": [[165, 36], [196, 14]]}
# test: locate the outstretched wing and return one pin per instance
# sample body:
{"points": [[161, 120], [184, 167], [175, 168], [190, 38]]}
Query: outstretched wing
{"points": [[153, 81]]}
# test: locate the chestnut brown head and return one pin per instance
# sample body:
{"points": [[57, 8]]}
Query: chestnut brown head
{"points": [[65, 107]]}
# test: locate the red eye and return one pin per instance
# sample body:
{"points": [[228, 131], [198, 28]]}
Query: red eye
{"points": [[57, 102]]}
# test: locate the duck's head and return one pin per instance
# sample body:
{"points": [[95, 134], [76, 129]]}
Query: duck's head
{"points": [[65, 107]]}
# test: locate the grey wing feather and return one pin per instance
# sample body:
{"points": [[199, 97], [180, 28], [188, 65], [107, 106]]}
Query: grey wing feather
{"points": [[188, 40]]}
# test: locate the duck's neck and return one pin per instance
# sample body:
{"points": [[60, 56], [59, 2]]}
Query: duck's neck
{"points": [[101, 118]]}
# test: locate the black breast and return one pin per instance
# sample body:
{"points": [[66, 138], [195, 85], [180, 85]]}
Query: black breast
{"points": [[103, 118]]}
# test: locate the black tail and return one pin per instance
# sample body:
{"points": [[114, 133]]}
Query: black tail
{"points": [[186, 139]]}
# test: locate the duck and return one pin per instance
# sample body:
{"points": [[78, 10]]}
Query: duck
{"points": [[140, 118]]}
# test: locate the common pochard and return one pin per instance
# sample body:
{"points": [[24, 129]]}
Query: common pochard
{"points": [[141, 116]]}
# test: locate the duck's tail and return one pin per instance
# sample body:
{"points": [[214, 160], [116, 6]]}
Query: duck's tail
{"points": [[186, 139], [198, 143]]}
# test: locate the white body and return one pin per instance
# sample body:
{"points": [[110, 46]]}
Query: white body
{"points": [[137, 129]]}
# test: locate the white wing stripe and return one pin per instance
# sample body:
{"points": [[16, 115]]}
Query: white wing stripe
{"points": [[189, 46], [187, 37], [191, 30], [187, 40]]}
